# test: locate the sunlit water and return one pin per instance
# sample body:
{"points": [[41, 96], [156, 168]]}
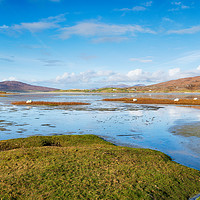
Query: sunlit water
{"points": [[153, 126]]}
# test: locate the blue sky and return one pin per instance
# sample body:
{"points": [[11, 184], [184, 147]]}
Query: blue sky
{"points": [[93, 43]]}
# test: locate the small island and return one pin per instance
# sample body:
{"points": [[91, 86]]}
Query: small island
{"points": [[47, 103], [175, 101]]}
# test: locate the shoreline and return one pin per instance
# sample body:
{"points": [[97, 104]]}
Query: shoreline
{"points": [[93, 92]]}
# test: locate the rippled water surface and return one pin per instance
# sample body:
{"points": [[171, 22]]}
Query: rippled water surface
{"points": [[173, 130]]}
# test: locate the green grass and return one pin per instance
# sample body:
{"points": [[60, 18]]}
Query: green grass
{"points": [[87, 167], [138, 89]]}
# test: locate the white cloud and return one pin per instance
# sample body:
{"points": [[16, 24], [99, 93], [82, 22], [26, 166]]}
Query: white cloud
{"points": [[95, 79], [174, 72], [66, 77], [191, 30], [82, 77], [4, 27], [12, 78], [136, 72], [102, 78], [92, 29], [141, 60]]}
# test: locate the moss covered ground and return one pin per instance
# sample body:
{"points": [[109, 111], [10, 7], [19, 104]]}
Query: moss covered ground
{"points": [[87, 167]]}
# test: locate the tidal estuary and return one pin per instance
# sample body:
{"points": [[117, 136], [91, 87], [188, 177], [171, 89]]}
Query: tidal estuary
{"points": [[174, 130]]}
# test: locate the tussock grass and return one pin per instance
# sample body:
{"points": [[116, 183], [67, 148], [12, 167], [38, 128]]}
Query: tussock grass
{"points": [[87, 167], [41, 103], [157, 101]]}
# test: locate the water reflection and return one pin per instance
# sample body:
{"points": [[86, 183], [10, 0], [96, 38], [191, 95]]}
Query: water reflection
{"points": [[146, 126]]}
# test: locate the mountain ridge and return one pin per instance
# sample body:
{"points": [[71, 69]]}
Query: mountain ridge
{"points": [[17, 86], [182, 84]]}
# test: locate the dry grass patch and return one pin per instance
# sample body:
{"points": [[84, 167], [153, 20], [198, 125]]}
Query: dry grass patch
{"points": [[41, 103], [157, 101]]}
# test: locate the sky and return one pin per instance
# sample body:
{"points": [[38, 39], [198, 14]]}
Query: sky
{"points": [[70, 44]]}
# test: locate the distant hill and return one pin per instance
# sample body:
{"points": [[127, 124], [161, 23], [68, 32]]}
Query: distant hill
{"points": [[16, 86], [121, 86], [139, 85], [183, 84], [117, 86]]}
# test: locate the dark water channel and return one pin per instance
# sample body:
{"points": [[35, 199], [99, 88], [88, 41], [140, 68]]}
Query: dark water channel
{"points": [[174, 130]]}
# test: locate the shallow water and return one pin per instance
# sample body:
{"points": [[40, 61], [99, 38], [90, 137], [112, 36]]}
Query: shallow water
{"points": [[173, 130]]}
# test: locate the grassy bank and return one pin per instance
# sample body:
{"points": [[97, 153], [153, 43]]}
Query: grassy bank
{"points": [[87, 167], [41, 103], [137, 89]]}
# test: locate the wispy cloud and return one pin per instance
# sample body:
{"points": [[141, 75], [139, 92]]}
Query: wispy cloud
{"points": [[109, 39], [136, 8], [167, 19], [178, 5], [141, 60], [7, 59], [35, 26], [192, 30], [142, 7], [4, 27], [189, 58], [96, 31], [148, 3], [50, 62], [87, 57], [33, 46], [102, 31], [55, 0], [44, 24], [48, 23]]}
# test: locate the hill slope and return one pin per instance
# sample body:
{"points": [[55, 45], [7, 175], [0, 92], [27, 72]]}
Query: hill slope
{"points": [[16, 86], [183, 84]]}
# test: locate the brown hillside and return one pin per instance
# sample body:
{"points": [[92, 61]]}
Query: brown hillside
{"points": [[183, 84], [16, 86]]}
